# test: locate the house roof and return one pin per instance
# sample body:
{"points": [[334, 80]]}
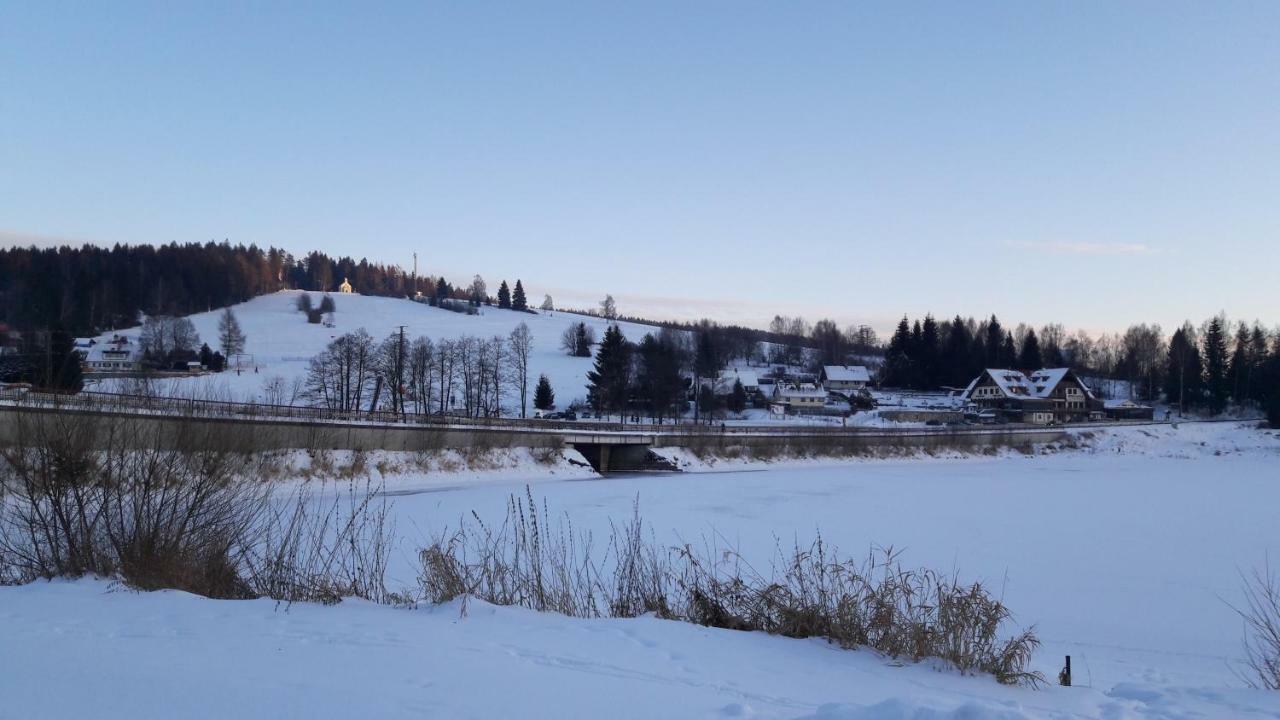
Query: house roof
{"points": [[847, 373], [788, 390], [1038, 384]]}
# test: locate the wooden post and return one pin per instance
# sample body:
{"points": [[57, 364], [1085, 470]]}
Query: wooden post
{"points": [[1064, 677]]}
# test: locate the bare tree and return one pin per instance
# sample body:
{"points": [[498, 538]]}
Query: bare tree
{"points": [[339, 377], [421, 377], [520, 345], [547, 304], [230, 336], [609, 308]]}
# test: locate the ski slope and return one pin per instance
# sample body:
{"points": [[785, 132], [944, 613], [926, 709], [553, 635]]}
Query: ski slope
{"points": [[282, 343]]}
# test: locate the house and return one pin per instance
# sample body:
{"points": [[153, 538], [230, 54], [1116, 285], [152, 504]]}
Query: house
{"points": [[119, 354], [844, 377], [1127, 410], [800, 397], [345, 287], [1042, 397]]}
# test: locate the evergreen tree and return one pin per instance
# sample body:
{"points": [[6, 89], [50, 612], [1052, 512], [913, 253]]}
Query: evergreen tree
{"points": [[230, 337], [609, 383], [994, 344], [442, 290], [1029, 358], [584, 338], [303, 303], [1215, 362], [1008, 353], [658, 381], [518, 300], [326, 305], [1183, 382], [544, 398], [897, 360], [504, 296], [927, 355], [59, 368], [206, 355], [1241, 364], [738, 398], [957, 369]]}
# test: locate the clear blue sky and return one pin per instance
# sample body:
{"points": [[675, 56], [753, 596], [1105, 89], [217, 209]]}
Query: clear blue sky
{"points": [[1092, 163]]}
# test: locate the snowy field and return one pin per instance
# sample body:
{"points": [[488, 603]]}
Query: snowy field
{"points": [[1125, 556], [282, 343]]}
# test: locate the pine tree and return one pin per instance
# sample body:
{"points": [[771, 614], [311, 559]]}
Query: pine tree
{"points": [[1183, 384], [1241, 363], [518, 300], [738, 398], [63, 373], [993, 344], [326, 305], [658, 381], [544, 398], [609, 383], [1215, 361], [1029, 358], [1008, 353], [230, 337], [303, 303], [206, 355], [897, 361], [504, 296], [927, 355]]}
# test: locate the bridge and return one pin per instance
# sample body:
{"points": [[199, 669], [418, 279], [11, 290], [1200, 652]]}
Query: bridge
{"points": [[607, 446]]}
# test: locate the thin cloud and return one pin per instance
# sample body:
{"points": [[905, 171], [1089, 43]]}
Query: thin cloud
{"points": [[1084, 248]]}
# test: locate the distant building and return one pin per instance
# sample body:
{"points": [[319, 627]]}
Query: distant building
{"points": [[117, 355], [844, 377], [800, 397], [1041, 397], [345, 287], [1128, 410]]}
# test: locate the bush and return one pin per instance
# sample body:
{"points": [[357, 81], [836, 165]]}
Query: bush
{"points": [[875, 603], [172, 504], [1261, 615]]}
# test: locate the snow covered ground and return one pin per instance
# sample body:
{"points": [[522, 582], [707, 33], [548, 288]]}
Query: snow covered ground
{"points": [[1125, 555], [282, 343]]}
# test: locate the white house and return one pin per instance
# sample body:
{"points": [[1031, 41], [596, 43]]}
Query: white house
{"points": [[844, 377], [119, 354], [799, 397]]}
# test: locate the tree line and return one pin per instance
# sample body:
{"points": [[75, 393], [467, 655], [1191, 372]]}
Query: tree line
{"points": [[471, 376]]}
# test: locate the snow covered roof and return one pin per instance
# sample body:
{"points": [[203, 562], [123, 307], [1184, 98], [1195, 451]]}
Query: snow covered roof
{"points": [[847, 373], [1039, 384], [802, 390]]}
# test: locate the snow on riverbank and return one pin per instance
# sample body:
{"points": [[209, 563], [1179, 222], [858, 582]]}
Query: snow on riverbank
{"points": [[85, 649], [1123, 553]]}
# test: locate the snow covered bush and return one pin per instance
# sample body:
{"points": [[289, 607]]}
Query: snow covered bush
{"points": [[915, 614]]}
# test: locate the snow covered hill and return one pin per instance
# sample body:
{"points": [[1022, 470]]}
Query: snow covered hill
{"points": [[282, 343]]}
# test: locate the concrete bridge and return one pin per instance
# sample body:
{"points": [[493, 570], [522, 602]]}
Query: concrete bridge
{"points": [[608, 447]]}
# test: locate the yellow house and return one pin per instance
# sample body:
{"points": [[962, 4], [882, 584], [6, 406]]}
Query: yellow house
{"points": [[345, 287]]}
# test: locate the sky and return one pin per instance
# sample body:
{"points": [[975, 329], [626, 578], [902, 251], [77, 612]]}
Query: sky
{"points": [[1089, 163]]}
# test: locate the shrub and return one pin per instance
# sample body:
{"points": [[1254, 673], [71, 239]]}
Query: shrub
{"points": [[1261, 615], [876, 603], [170, 504]]}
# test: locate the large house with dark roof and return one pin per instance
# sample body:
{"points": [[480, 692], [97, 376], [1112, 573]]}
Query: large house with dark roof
{"points": [[1042, 397]]}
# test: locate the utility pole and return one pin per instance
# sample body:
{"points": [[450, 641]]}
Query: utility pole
{"points": [[415, 275]]}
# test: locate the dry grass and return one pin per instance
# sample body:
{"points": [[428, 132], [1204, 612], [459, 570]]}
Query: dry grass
{"points": [[811, 592]]}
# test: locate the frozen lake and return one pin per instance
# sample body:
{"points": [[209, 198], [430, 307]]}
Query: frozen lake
{"points": [[1126, 562]]}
